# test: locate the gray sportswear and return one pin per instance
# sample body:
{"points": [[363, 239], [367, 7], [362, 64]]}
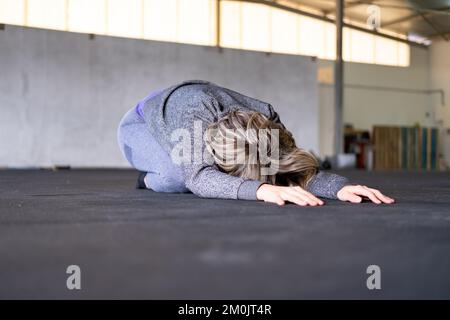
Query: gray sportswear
{"points": [[180, 105]]}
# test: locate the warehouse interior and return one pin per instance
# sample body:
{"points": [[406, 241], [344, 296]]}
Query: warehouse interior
{"points": [[364, 85]]}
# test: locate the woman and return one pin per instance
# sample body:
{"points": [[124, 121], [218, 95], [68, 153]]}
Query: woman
{"points": [[199, 137]]}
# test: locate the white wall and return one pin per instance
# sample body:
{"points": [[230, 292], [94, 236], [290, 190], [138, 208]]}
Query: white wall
{"points": [[62, 95], [440, 78], [366, 107]]}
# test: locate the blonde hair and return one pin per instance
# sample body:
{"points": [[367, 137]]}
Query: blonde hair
{"points": [[238, 133]]}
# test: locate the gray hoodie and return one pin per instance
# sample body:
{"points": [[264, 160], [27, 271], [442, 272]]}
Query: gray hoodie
{"points": [[179, 106]]}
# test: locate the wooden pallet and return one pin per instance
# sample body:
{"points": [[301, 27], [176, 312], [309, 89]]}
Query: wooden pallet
{"points": [[409, 148]]}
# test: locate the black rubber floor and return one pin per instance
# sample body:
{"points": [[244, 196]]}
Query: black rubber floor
{"points": [[139, 244]]}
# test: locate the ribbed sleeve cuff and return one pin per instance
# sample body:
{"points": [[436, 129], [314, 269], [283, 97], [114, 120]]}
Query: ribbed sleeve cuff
{"points": [[340, 183], [327, 185], [247, 189]]}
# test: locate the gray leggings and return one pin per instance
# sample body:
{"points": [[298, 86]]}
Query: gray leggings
{"points": [[144, 153]]}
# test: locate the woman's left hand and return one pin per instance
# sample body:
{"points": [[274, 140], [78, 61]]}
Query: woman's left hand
{"points": [[354, 194]]}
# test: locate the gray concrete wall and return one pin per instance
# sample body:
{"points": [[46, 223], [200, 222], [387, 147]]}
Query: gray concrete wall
{"points": [[62, 94], [366, 107]]}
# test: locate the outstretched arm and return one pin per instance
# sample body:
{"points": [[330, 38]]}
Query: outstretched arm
{"points": [[333, 186], [208, 182]]}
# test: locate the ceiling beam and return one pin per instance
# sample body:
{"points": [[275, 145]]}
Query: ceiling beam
{"points": [[447, 32], [347, 5], [441, 11], [402, 19], [434, 26], [327, 19]]}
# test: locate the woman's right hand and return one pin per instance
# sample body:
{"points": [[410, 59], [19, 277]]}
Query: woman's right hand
{"points": [[279, 195]]}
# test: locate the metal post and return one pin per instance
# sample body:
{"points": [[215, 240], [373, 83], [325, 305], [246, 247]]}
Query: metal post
{"points": [[218, 22], [338, 79]]}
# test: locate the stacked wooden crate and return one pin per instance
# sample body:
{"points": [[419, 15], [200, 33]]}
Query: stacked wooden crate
{"points": [[405, 148]]}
